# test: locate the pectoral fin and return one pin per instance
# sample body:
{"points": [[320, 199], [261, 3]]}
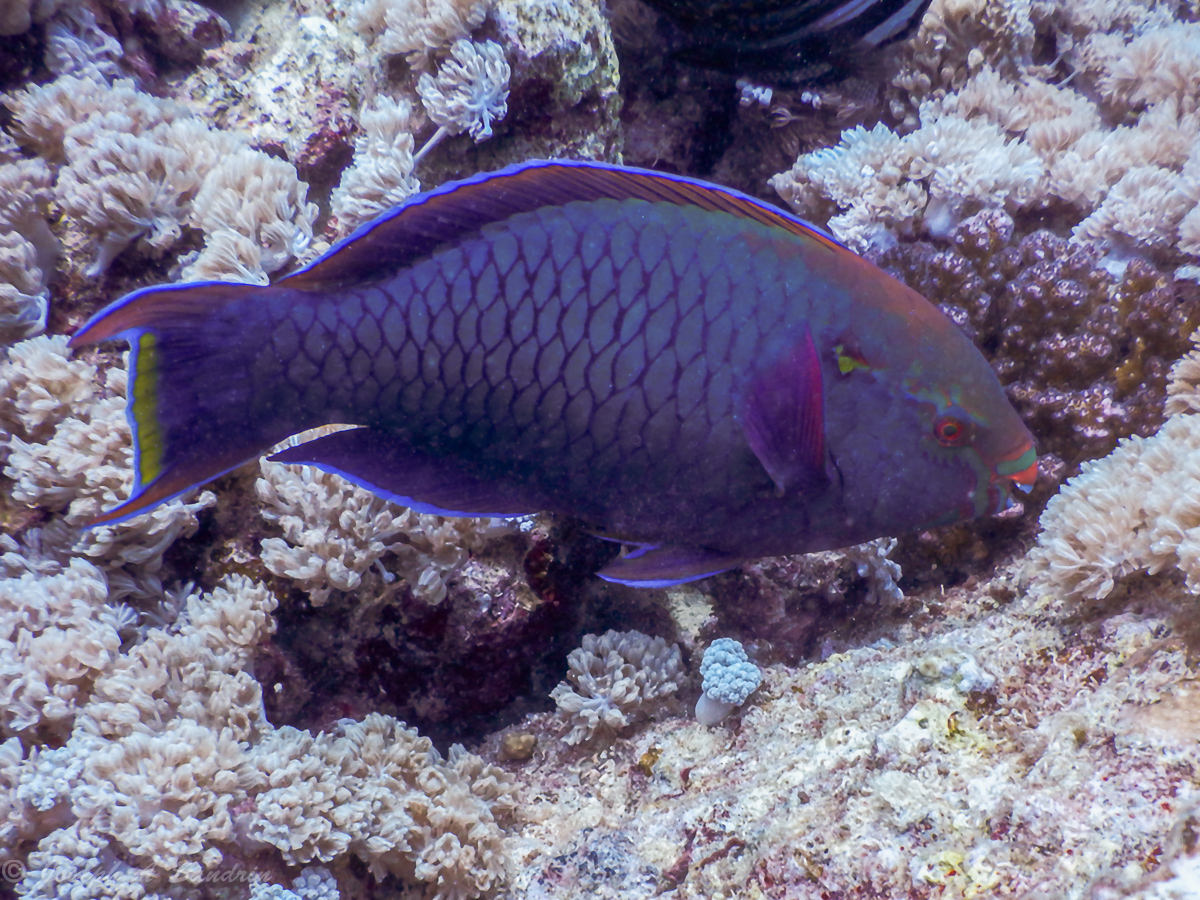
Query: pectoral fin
{"points": [[782, 413]]}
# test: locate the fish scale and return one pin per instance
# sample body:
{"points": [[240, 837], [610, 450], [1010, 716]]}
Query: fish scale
{"points": [[677, 364], [612, 407]]}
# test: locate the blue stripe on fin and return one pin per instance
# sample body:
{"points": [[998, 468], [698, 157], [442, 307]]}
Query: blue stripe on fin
{"points": [[424, 222], [657, 567], [386, 466]]}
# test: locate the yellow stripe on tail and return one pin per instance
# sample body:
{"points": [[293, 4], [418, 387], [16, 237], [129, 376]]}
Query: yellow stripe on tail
{"points": [[144, 406]]}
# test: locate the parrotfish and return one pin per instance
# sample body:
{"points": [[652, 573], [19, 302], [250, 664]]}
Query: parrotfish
{"points": [[689, 370]]}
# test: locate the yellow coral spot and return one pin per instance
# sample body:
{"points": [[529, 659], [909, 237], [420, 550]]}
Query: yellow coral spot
{"points": [[649, 758]]}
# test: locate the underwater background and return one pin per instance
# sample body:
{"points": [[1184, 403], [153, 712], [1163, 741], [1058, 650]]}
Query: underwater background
{"points": [[283, 686]]}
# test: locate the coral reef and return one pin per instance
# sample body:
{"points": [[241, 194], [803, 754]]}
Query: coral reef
{"points": [[257, 202], [57, 634], [335, 532], [218, 691], [1136, 509], [27, 247], [134, 167], [75, 460], [382, 174], [1102, 140], [172, 759], [384, 793], [981, 751], [416, 28]]}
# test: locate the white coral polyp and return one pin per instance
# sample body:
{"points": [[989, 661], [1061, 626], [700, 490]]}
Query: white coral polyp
{"points": [[382, 174], [931, 177], [262, 200], [1136, 509], [381, 791], [27, 247], [470, 90], [40, 384], [1021, 143], [84, 467], [57, 634], [416, 28], [614, 678], [122, 186], [335, 532]]}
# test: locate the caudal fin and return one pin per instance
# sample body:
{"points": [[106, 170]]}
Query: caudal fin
{"points": [[190, 379]]}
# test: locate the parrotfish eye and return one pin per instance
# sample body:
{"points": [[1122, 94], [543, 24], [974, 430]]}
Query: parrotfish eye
{"points": [[950, 430]]}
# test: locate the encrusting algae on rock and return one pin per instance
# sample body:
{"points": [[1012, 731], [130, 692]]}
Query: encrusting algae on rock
{"points": [[207, 701]]}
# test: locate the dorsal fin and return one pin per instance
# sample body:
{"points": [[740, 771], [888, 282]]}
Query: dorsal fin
{"points": [[414, 229]]}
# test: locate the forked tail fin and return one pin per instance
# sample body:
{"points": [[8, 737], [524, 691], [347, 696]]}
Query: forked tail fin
{"points": [[190, 382]]}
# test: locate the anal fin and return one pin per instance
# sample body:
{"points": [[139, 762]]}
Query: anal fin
{"points": [[388, 466], [666, 566]]}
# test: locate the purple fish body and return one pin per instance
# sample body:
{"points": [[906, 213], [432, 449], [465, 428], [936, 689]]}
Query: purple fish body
{"points": [[684, 367]]}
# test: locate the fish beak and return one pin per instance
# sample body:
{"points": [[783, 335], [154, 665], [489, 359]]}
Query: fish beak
{"points": [[1021, 470], [1023, 480]]}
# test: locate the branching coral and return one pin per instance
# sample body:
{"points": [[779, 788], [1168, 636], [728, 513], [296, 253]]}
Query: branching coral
{"points": [[615, 678], [335, 532]]}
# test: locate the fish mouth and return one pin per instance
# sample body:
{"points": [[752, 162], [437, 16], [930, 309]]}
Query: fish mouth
{"points": [[1018, 470], [1021, 469]]}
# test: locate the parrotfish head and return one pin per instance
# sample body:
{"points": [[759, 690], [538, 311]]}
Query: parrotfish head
{"points": [[932, 438], [989, 446]]}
